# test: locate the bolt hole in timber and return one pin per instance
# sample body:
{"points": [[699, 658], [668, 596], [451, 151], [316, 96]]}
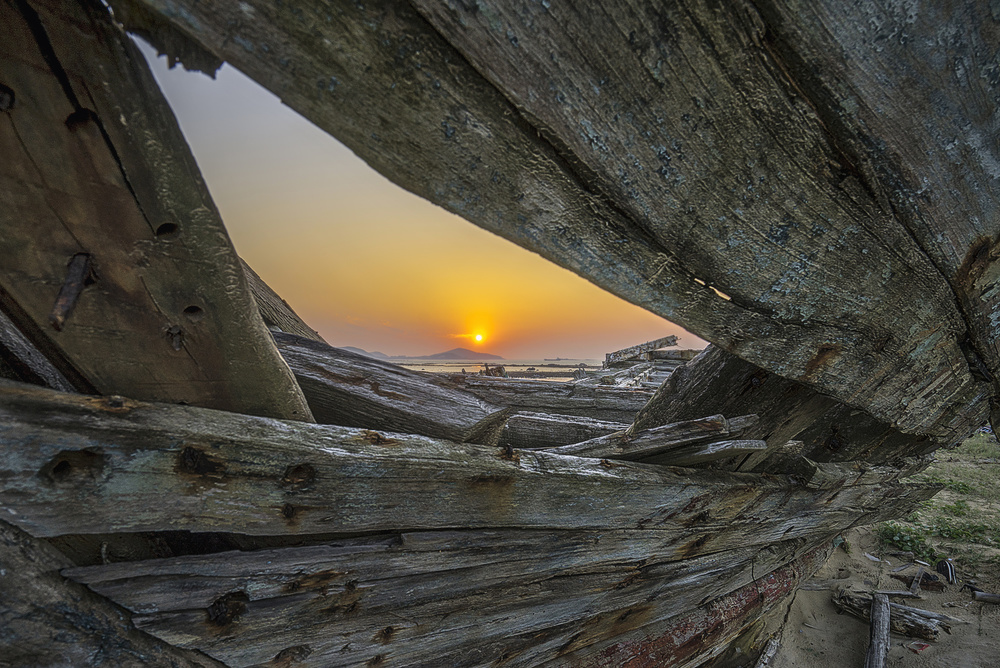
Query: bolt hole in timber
{"points": [[167, 230]]}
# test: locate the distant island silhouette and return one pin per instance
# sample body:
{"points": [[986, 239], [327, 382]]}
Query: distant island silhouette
{"points": [[461, 354]]}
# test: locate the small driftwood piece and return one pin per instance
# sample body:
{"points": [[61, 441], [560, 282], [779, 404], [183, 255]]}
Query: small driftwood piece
{"points": [[986, 597], [878, 647], [633, 352], [899, 593], [926, 581], [903, 619], [526, 430], [915, 584], [352, 390], [770, 650], [666, 440]]}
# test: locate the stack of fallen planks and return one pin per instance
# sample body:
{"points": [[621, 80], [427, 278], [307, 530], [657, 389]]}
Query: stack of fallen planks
{"points": [[171, 462]]}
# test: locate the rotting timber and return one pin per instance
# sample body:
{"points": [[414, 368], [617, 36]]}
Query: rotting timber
{"points": [[811, 187]]}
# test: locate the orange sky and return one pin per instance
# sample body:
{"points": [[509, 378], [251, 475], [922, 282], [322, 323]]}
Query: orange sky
{"points": [[370, 265]]}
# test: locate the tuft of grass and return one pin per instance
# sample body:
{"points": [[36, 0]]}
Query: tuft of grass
{"points": [[907, 539]]}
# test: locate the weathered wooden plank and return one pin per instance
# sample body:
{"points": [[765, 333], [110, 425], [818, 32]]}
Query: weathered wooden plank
{"points": [[634, 352], [902, 619], [704, 632], [48, 621], [80, 465], [701, 453], [24, 362], [112, 248], [356, 391], [651, 442], [423, 586], [612, 404], [274, 310], [717, 382], [908, 96], [830, 280], [525, 430]]}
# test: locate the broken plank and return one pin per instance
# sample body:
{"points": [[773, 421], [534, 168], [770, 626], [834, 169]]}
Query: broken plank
{"points": [[527, 430], [651, 442], [113, 251], [634, 352], [701, 453], [49, 621], [80, 465], [613, 404], [352, 390]]}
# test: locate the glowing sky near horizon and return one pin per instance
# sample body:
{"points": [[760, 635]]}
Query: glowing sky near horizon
{"points": [[368, 264]]}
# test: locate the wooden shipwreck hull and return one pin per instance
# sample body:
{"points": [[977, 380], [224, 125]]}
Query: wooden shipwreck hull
{"points": [[808, 186]]}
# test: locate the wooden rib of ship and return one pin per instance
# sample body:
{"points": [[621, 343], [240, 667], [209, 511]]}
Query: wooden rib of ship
{"points": [[191, 476]]}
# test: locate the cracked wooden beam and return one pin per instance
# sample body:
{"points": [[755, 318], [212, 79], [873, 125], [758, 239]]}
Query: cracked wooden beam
{"points": [[116, 264]]}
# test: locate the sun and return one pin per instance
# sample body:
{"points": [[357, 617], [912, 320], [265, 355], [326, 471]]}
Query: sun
{"points": [[479, 338]]}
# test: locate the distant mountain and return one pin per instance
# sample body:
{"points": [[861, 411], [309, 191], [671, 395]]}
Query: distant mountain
{"points": [[360, 351], [463, 354]]}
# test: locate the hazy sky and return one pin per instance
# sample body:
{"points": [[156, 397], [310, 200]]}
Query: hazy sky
{"points": [[368, 264]]}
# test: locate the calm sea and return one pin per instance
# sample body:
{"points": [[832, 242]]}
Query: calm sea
{"points": [[544, 369]]}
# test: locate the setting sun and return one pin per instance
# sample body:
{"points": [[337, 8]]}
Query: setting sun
{"points": [[479, 338]]}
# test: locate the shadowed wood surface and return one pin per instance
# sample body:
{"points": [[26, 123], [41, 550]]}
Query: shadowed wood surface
{"points": [[718, 382], [48, 621], [116, 263]]}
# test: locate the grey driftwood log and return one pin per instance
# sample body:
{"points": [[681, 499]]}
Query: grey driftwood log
{"points": [[527, 430], [878, 637]]}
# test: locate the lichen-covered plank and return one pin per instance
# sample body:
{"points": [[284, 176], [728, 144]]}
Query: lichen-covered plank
{"points": [[80, 465], [115, 262]]}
